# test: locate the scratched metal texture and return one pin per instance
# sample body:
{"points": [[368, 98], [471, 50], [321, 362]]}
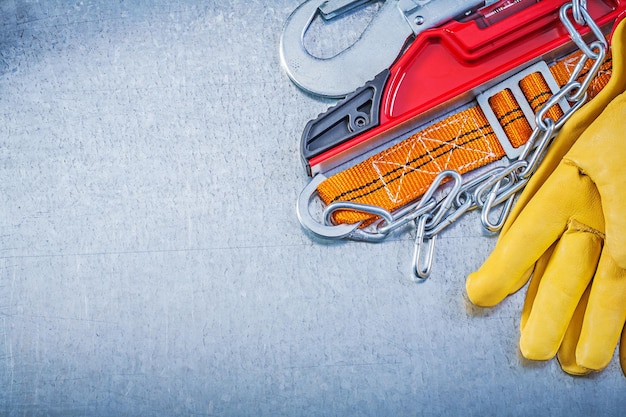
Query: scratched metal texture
{"points": [[151, 262]]}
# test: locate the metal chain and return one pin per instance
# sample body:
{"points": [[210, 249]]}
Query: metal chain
{"points": [[497, 187]]}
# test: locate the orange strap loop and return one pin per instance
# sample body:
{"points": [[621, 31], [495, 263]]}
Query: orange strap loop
{"points": [[462, 142]]}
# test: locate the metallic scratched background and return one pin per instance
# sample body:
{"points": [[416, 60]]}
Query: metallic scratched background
{"points": [[151, 262]]}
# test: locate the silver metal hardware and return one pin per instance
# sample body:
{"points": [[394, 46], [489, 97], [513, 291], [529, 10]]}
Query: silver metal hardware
{"points": [[307, 221], [331, 9], [512, 84], [376, 49], [588, 21], [578, 8], [497, 187], [423, 265]]}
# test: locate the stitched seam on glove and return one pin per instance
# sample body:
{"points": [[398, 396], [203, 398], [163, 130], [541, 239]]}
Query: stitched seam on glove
{"points": [[573, 224]]}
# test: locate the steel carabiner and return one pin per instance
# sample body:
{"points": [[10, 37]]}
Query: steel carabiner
{"points": [[422, 264]]}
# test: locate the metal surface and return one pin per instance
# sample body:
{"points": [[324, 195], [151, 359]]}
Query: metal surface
{"points": [[151, 262]]}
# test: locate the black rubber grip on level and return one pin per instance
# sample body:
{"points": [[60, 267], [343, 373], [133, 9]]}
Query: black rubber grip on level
{"points": [[352, 116]]}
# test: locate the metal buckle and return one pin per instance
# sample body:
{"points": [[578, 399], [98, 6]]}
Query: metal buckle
{"points": [[512, 84]]}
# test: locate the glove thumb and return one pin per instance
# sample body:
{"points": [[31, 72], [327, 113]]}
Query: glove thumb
{"points": [[575, 127], [600, 154]]}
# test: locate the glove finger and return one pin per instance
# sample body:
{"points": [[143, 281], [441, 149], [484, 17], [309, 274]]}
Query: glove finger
{"points": [[533, 286], [568, 273], [533, 233], [567, 352], [604, 317]]}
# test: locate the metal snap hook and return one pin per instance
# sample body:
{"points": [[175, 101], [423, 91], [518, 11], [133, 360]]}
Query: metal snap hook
{"points": [[379, 45], [423, 261], [375, 50], [309, 223], [488, 207]]}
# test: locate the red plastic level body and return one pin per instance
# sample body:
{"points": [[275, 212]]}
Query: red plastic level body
{"points": [[463, 57]]}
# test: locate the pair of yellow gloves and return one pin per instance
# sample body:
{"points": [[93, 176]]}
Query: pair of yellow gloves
{"points": [[568, 232]]}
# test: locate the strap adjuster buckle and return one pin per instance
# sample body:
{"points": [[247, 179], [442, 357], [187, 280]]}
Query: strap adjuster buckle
{"points": [[512, 84]]}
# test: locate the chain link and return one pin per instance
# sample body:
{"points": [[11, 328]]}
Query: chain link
{"points": [[577, 11], [494, 191], [499, 186]]}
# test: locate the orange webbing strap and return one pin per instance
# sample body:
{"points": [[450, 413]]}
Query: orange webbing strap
{"points": [[462, 142]]}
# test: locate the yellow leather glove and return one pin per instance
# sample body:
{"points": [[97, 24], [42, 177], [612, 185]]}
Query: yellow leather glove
{"points": [[568, 230]]}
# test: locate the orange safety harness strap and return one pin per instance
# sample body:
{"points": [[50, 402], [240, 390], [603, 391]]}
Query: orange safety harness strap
{"points": [[462, 142]]}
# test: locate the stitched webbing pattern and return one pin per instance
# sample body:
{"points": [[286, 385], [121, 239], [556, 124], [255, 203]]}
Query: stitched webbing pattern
{"points": [[404, 172], [462, 142]]}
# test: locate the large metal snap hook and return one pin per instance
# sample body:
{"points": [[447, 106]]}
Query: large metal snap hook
{"points": [[312, 225], [376, 49], [326, 229]]}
